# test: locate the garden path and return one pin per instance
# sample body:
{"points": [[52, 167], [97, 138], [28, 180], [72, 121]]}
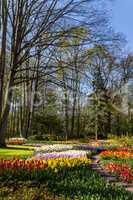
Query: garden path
{"points": [[110, 178]]}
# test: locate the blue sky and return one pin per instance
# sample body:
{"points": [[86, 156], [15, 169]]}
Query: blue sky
{"points": [[122, 21]]}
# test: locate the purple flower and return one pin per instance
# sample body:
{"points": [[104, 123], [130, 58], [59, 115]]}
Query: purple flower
{"points": [[66, 154]]}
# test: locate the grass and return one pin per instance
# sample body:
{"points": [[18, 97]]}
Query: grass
{"points": [[16, 151], [21, 147]]}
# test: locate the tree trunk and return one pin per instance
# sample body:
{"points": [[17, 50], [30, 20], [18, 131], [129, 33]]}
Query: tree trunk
{"points": [[78, 118], [3, 8], [3, 125], [73, 116], [6, 110], [66, 117], [96, 117]]}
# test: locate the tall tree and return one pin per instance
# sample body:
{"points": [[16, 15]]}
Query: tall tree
{"points": [[29, 23]]}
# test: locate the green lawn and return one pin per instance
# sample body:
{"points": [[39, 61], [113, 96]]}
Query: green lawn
{"points": [[22, 147], [16, 151]]}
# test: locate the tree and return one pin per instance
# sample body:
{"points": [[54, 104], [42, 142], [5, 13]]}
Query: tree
{"points": [[101, 66], [29, 23]]}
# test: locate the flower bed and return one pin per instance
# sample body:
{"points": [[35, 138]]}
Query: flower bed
{"points": [[67, 162], [16, 164], [67, 147], [121, 170], [78, 183], [125, 149], [44, 159], [20, 167], [63, 154], [16, 141], [116, 154], [119, 162], [64, 172], [95, 149], [54, 147]]}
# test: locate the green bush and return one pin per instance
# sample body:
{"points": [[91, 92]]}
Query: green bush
{"points": [[123, 141], [40, 137], [36, 137], [126, 141]]}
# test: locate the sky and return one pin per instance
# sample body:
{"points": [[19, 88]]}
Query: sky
{"points": [[122, 19]]}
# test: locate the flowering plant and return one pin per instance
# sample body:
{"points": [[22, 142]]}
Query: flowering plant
{"points": [[63, 154], [116, 154], [67, 162], [16, 141], [54, 147], [122, 170], [127, 149], [16, 165]]}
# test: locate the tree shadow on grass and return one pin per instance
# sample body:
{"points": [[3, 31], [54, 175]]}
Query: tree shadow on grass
{"points": [[18, 148]]}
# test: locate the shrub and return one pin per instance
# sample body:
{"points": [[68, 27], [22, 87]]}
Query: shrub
{"points": [[36, 137], [46, 137], [124, 141]]}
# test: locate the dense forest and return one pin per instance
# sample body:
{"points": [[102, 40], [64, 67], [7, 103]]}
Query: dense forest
{"points": [[64, 72]]}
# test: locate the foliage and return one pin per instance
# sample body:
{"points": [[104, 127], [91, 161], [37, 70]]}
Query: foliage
{"points": [[11, 190], [120, 141], [46, 126], [44, 137], [78, 183]]}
